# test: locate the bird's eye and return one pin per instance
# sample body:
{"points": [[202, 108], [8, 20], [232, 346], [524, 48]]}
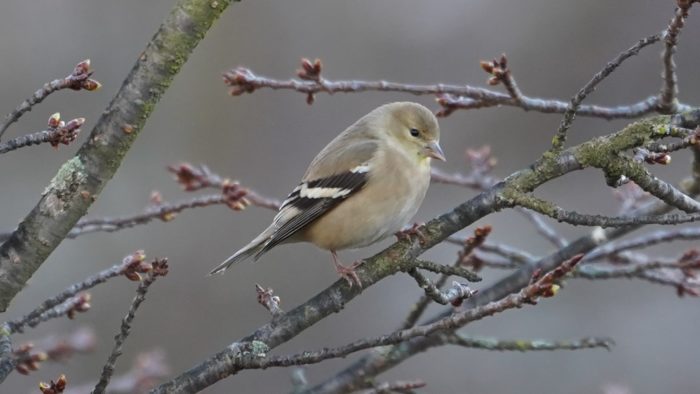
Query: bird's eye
{"points": [[415, 132]]}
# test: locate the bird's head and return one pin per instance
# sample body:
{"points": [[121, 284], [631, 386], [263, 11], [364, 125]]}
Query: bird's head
{"points": [[415, 128]]}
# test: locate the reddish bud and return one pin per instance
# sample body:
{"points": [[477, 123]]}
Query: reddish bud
{"points": [[486, 66], [91, 85], [55, 120], [82, 67]]}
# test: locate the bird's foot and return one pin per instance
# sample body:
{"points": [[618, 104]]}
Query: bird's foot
{"points": [[412, 232], [348, 273]]}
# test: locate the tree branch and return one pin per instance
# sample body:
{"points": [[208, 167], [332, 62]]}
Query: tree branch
{"points": [[79, 79], [130, 266], [159, 268], [526, 345], [57, 133], [450, 97], [669, 90], [575, 104]]}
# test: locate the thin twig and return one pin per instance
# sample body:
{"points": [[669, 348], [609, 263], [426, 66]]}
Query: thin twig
{"points": [[644, 241], [268, 299], [60, 133], [527, 345], [575, 104], [454, 270], [7, 361], [501, 74], [579, 219], [450, 97], [457, 293], [165, 212], [399, 386], [468, 246], [131, 264], [508, 252], [479, 179], [668, 102], [160, 268], [79, 79]]}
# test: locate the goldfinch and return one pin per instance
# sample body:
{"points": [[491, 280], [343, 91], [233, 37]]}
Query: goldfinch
{"points": [[364, 186]]}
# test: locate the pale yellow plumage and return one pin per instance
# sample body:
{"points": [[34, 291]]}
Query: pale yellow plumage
{"points": [[363, 186]]}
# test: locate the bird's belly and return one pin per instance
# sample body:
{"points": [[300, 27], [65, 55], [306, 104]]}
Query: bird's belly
{"points": [[354, 224]]}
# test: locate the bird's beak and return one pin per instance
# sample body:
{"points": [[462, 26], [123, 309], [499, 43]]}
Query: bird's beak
{"points": [[433, 150]]}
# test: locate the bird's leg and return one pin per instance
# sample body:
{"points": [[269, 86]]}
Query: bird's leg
{"points": [[347, 272], [411, 232]]}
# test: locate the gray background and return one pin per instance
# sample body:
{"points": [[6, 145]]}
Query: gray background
{"points": [[266, 140]]}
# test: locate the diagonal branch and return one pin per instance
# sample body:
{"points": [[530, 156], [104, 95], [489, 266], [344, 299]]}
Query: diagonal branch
{"points": [[160, 268], [575, 104], [80, 180]]}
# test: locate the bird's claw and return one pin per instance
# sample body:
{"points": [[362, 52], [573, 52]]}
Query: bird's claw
{"points": [[349, 273], [412, 232]]}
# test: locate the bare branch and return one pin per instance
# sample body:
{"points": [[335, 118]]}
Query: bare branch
{"points": [[130, 266], [267, 299], [575, 104], [526, 345], [581, 219], [7, 359], [668, 102], [450, 97], [399, 386], [500, 74], [58, 132], [193, 178], [232, 195], [644, 241], [457, 293], [468, 246], [160, 268], [451, 103], [79, 79], [455, 269], [481, 162]]}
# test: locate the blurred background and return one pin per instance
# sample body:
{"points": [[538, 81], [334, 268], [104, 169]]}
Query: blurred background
{"points": [[266, 139]]}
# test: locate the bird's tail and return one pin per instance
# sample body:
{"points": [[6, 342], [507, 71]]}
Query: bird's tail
{"points": [[254, 248]]}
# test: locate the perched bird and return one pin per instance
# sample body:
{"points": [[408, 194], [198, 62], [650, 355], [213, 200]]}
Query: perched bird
{"points": [[364, 186]]}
